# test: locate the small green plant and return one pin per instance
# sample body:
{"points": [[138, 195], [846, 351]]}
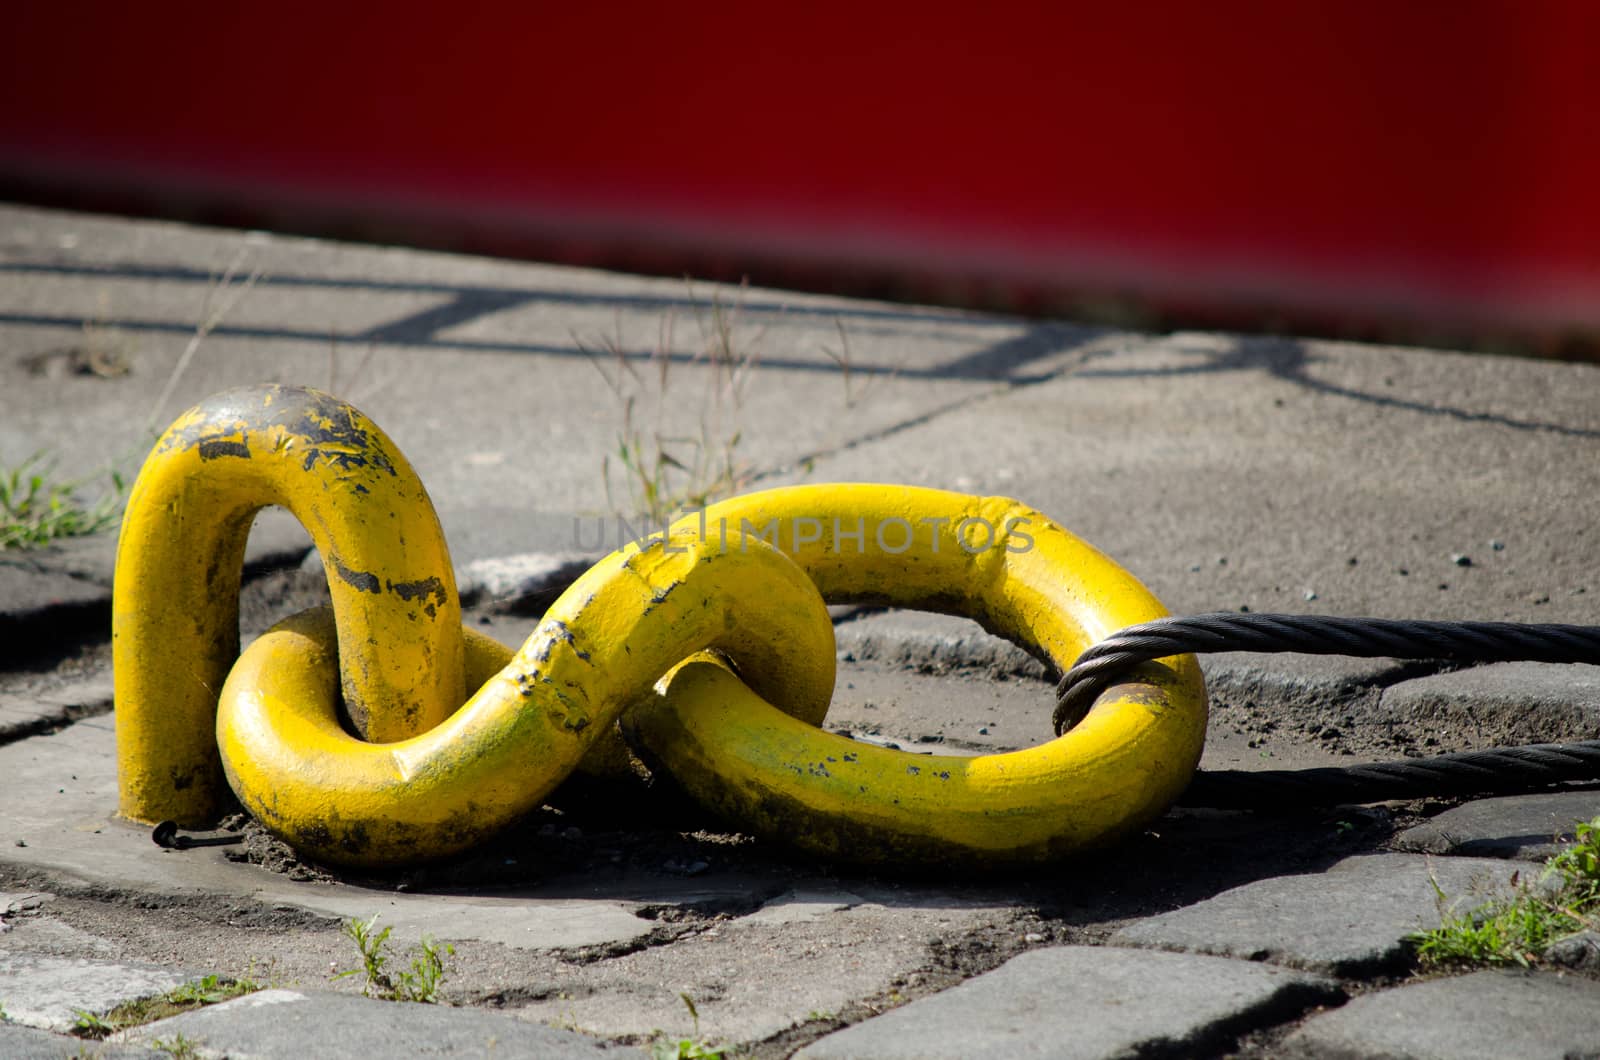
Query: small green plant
{"points": [[662, 472], [195, 994], [36, 508], [89, 1025], [694, 1048], [419, 982], [1517, 928]]}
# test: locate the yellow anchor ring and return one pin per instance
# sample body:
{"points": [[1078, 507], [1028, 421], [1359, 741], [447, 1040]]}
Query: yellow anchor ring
{"points": [[993, 560]]}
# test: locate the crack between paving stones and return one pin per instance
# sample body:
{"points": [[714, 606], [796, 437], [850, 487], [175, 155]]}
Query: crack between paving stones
{"points": [[49, 725], [664, 935]]}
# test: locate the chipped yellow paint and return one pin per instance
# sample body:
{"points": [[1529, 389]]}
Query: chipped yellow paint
{"points": [[1037, 585], [175, 606], [629, 619], [711, 648]]}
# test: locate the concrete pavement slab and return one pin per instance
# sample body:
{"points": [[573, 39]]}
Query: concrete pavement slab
{"points": [[1483, 1016], [25, 1043], [50, 992], [1230, 472], [1085, 1001], [802, 905], [1352, 919], [1580, 952], [1528, 827], [293, 1024], [934, 644], [25, 713], [756, 976], [60, 794], [506, 384], [1502, 703]]}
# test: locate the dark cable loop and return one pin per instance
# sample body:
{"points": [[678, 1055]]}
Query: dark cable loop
{"points": [[1477, 772]]}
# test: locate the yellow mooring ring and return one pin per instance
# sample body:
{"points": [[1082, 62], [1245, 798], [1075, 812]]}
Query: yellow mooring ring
{"points": [[1021, 577], [712, 646]]}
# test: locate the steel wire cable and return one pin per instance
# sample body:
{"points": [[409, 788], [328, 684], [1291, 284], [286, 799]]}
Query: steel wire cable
{"points": [[1498, 770]]}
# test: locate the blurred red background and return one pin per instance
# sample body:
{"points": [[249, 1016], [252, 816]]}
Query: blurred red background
{"points": [[1345, 165]]}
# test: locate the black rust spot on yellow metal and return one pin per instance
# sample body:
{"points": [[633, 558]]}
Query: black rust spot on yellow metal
{"points": [[212, 448], [429, 590], [359, 579]]}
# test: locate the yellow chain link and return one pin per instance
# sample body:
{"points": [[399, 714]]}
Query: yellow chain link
{"points": [[710, 646]]}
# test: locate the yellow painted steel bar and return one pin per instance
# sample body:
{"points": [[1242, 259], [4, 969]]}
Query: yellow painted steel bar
{"points": [[725, 620], [175, 613], [1022, 577], [628, 620]]}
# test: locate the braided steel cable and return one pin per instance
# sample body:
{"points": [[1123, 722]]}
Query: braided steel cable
{"points": [[1477, 772]]}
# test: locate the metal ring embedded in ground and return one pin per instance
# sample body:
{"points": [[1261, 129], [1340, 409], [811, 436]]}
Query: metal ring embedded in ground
{"points": [[721, 582]]}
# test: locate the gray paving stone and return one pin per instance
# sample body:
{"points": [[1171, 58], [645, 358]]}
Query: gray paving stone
{"points": [[59, 794], [923, 640], [46, 992], [802, 904], [1323, 681], [29, 587], [1581, 951], [14, 903], [1084, 1001], [510, 578], [1349, 920], [1484, 1016], [751, 978], [26, 1043], [294, 1024], [78, 571], [1503, 703], [1529, 827], [22, 713]]}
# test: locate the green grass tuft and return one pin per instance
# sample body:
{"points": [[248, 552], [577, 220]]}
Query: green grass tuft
{"points": [[420, 982], [192, 995], [37, 508], [1518, 928]]}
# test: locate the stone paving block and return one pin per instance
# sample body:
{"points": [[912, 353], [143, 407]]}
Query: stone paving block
{"points": [[1502, 703], [1580, 951], [1325, 681], [26, 1043], [935, 642], [46, 992], [14, 903], [311, 1023], [939, 713], [751, 978], [802, 904], [59, 794], [1349, 920], [28, 587], [1529, 827], [23, 713], [1488, 1015], [1084, 1001], [78, 571]]}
